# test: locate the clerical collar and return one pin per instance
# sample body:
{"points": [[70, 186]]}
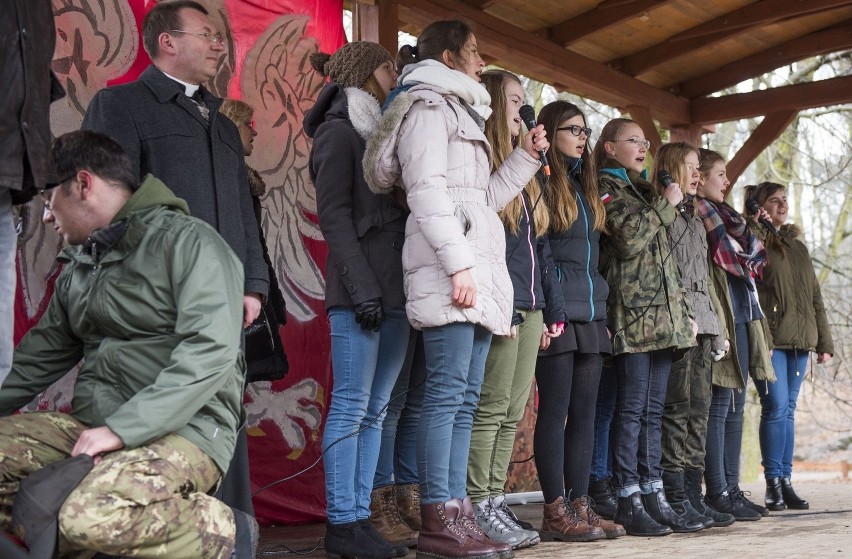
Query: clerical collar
{"points": [[189, 88]]}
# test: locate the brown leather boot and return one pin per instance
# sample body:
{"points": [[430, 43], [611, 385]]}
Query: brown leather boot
{"points": [[385, 518], [562, 523], [504, 550], [583, 508], [443, 534], [408, 504]]}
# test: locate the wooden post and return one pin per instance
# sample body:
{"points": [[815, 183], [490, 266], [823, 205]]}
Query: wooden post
{"points": [[377, 21], [690, 133], [766, 133]]}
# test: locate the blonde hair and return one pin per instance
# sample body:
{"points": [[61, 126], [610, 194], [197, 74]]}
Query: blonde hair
{"points": [[672, 158], [500, 138], [560, 196], [238, 111]]}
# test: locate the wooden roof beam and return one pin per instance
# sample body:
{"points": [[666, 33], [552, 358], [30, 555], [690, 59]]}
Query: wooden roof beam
{"points": [[481, 4], [607, 14], [830, 39], [765, 133], [710, 110], [544, 60], [723, 27]]}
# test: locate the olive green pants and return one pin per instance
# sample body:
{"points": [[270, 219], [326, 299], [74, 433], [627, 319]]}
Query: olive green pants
{"points": [[509, 370], [143, 502], [687, 409]]}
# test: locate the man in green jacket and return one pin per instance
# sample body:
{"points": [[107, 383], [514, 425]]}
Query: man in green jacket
{"points": [[151, 300]]}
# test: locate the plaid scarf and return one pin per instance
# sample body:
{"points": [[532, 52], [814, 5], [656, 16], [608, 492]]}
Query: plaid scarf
{"points": [[734, 247]]}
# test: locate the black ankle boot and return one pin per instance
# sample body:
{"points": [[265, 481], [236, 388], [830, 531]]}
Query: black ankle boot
{"points": [[351, 540], [603, 497], [659, 509], [673, 484], [774, 499], [685, 510], [725, 502], [632, 515], [792, 500], [720, 519], [741, 496]]}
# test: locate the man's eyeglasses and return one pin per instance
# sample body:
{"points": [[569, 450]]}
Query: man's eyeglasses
{"points": [[576, 130], [47, 192], [214, 38], [636, 142]]}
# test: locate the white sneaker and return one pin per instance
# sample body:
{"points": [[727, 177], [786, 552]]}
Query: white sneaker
{"points": [[493, 527], [499, 505]]}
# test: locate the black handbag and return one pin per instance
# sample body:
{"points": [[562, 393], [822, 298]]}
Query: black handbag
{"points": [[265, 357]]}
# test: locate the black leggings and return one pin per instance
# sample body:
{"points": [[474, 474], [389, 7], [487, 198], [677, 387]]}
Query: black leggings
{"points": [[567, 389]]}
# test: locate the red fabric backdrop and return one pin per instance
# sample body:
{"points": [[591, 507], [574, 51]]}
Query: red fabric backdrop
{"points": [[266, 65]]}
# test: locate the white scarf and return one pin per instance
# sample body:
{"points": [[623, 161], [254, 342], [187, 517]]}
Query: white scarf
{"points": [[436, 73], [364, 111]]}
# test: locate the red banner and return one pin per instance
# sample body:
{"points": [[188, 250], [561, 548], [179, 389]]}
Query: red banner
{"points": [[266, 65]]}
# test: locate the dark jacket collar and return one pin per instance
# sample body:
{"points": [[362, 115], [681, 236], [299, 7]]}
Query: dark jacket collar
{"points": [[165, 89]]}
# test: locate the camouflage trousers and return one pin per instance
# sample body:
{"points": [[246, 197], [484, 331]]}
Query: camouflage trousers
{"points": [[148, 501], [687, 409]]}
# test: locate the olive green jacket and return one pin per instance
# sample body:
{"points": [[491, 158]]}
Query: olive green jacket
{"points": [[727, 372], [791, 297], [647, 308], [157, 319]]}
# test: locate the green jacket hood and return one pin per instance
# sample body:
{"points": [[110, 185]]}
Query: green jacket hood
{"points": [[151, 193]]}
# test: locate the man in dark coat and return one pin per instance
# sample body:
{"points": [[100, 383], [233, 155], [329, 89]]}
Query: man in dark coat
{"points": [[171, 127], [27, 39]]}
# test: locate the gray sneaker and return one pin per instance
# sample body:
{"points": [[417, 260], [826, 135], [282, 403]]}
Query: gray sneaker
{"points": [[508, 517], [493, 527]]}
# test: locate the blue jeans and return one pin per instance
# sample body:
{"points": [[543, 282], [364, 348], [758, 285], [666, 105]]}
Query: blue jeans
{"points": [[604, 412], [641, 396], [455, 366], [725, 426], [365, 366], [778, 411], [8, 275], [398, 456]]}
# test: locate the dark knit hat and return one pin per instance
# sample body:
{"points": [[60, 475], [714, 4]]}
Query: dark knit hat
{"points": [[352, 64]]}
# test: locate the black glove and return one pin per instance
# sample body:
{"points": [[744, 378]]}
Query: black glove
{"points": [[369, 314]]}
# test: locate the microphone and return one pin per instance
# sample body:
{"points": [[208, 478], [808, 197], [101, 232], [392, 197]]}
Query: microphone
{"points": [[527, 114], [665, 179], [753, 207]]}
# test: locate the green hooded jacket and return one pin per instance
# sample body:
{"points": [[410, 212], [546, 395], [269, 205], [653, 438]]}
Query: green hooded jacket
{"points": [[157, 321], [790, 294], [647, 307]]}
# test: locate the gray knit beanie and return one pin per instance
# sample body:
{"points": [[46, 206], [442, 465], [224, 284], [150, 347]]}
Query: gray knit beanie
{"points": [[352, 64]]}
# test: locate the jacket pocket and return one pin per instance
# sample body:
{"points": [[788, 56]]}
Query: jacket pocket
{"points": [[646, 316]]}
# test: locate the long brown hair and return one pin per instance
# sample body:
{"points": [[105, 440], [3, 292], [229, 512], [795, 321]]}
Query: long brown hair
{"points": [[500, 137], [760, 193], [672, 158], [559, 194]]}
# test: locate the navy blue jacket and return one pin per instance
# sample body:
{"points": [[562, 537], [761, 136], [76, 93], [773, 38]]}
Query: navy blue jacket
{"points": [[532, 270], [576, 253]]}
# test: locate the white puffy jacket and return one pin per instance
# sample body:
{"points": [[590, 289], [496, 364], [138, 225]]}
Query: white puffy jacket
{"points": [[430, 146]]}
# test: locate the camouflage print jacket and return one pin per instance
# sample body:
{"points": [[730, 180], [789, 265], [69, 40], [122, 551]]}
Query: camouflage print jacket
{"points": [[647, 307]]}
